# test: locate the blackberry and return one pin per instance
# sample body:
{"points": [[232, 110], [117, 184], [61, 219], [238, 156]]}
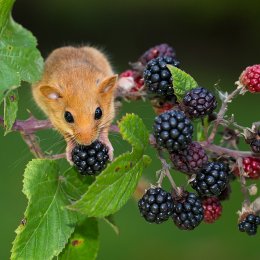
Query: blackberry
{"points": [[90, 160], [190, 160], [250, 78], [255, 145], [157, 51], [158, 78], [199, 102], [251, 166], [156, 205], [211, 180], [212, 209], [249, 224], [187, 211], [173, 130]]}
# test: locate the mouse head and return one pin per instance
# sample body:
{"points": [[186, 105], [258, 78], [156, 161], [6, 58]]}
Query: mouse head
{"points": [[82, 112]]}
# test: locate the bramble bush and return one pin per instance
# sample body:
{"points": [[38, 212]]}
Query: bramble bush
{"points": [[64, 207]]}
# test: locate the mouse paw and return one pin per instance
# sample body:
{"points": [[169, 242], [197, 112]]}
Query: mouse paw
{"points": [[69, 149], [103, 138]]}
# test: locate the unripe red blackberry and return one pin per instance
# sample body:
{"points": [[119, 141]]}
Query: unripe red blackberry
{"points": [[211, 180], [249, 224], [90, 160], [251, 166], [187, 211], [156, 205], [212, 209], [157, 51], [191, 159], [158, 78], [250, 78], [173, 130], [199, 102]]}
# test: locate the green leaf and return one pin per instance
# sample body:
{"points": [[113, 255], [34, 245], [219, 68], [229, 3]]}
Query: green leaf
{"points": [[182, 82], [111, 222], [10, 110], [20, 59], [84, 243], [48, 222], [114, 186]]}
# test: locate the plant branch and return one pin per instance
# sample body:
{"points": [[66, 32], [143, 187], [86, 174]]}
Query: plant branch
{"points": [[166, 172], [242, 180], [222, 112]]}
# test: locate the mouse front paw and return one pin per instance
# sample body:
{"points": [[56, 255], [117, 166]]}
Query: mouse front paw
{"points": [[103, 138]]}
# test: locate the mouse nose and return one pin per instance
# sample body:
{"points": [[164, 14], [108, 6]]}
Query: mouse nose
{"points": [[85, 136]]}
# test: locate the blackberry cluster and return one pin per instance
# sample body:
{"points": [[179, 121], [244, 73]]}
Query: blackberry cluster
{"points": [[158, 78], [199, 102], [249, 224], [187, 211], [190, 160], [90, 160], [173, 130], [211, 180], [156, 205]]}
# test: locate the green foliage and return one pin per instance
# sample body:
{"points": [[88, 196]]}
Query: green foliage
{"points": [[48, 223], [20, 59], [84, 243], [10, 109], [114, 186], [182, 82]]}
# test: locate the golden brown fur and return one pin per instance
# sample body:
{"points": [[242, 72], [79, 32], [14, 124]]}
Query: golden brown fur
{"points": [[77, 80]]}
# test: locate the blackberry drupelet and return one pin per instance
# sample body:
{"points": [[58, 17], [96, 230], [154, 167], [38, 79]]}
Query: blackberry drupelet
{"points": [[173, 130], [249, 224], [158, 78], [211, 180], [190, 160], [199, 102], [187, 211], [156, 205], [90, 160], [157, 51]]}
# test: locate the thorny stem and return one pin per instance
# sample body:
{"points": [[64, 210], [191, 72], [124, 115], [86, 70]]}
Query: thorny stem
{"points": [[166, 172], [221, 113], [242, 180]]}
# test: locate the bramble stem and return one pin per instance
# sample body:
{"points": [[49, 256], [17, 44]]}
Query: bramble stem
{"points": [[166, 172], [242, 180], [222, 112]]}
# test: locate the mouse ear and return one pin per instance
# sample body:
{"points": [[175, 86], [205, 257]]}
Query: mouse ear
{"points": [[108, 85], [50, 92]]}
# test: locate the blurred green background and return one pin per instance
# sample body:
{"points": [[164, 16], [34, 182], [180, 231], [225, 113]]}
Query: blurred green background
{"points": [[215, 41]]}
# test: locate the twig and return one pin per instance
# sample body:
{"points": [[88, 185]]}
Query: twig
{"points": [[226, 151], [242, 179], [166, 172], [221, 113]]}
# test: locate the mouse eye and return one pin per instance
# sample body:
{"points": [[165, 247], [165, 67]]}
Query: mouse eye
{"points": [[68, 117], [98, 113]]}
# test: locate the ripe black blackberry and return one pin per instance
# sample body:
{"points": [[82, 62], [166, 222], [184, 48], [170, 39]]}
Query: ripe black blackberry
{"points": [[158, 78], [157, 51], [249, 224], [187, 211], [156, 205], [191, 159], [173, 130], [255, 145], [211, 180], [199, 102], [90, 160]]}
